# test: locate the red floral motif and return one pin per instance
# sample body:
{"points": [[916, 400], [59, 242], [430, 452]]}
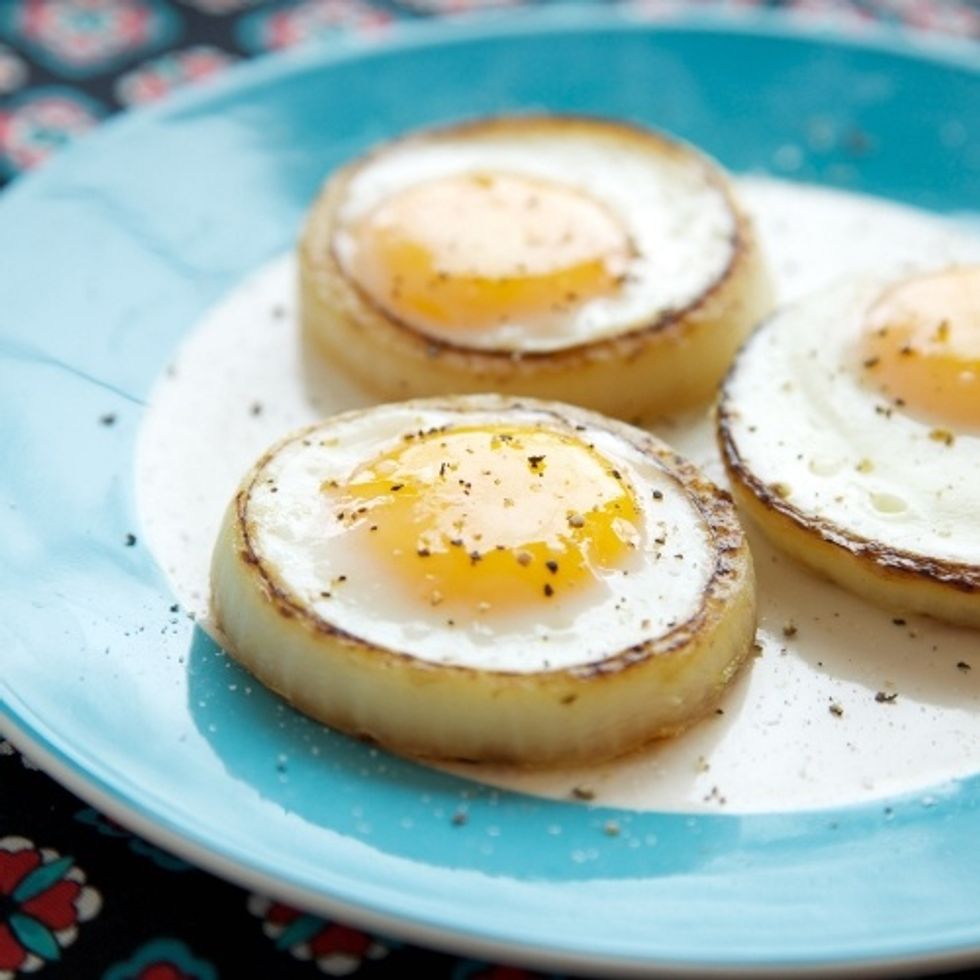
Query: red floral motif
{"points": [[43, 897], [337, 950], [162, 971], [159, 77], [304, 20], [90, 35], [37, 124], [162, 959]]}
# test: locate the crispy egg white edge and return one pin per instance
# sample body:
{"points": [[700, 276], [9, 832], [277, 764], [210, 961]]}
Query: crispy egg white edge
{"points": [[802, 418], [638, 602], [676, 260]]}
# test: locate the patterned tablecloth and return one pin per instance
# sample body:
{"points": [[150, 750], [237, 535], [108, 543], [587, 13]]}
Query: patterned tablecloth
{"points": [[80, 896]]}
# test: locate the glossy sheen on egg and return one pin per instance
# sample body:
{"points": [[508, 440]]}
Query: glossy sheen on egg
{"points": [[565, 258], [850, 427], [481, 578]]}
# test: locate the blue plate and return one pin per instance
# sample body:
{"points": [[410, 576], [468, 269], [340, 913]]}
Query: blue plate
{"points": [[107, 257]]}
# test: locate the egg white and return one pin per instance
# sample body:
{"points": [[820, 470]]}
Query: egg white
{"points": [[585, 674], [809, 439], [293, 528], [671, 205]]}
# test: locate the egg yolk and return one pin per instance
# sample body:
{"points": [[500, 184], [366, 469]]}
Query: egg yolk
{"points": [[921, 346], [495, 517], [477, 250]]}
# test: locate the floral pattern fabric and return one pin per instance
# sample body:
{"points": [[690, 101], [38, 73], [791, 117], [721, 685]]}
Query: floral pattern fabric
{"points": [[81, 897], [43, 898], [67, 64]]}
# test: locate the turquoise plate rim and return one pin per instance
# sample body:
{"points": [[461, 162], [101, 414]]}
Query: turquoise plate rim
{"points": [[721, 869]]}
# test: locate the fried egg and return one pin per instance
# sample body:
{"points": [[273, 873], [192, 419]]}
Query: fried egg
{"points": [[565, 258], [485, 578], [850, 427]]}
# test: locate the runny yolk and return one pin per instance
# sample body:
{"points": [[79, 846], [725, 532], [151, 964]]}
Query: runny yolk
{"points": [[921, 346], [477, 250], [491, 518]]}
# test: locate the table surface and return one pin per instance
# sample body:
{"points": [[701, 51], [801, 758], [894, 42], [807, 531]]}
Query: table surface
{"points": [[122, 908]]}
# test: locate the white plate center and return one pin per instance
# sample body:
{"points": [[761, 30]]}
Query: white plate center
{"points": [[844, 703]]}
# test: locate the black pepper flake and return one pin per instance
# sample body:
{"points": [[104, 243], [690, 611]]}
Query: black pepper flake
{"points": [[548, 590], [616, 474], [790, 630], [255, 408], [883, 697], [475, 556], [130, 540], [552, 566], [583, 792], [658, 495], [963, 665], [423, 552], [460, 818], [535, 461], [835, 709], [898, 621], [396, 486], [715, 794], [108, 419], [872, 362]]}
